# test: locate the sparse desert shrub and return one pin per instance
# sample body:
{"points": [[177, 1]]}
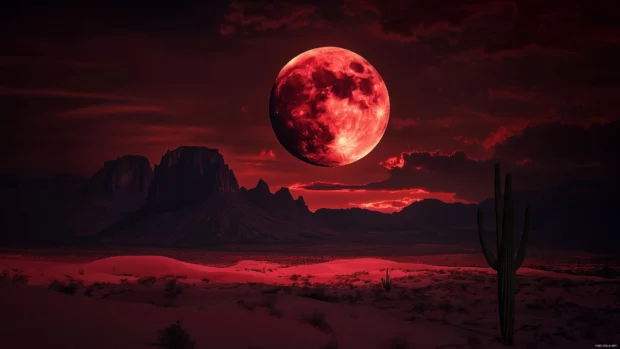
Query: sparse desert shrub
{"points": [[175, 337], [273, 311], [246, 305], [461, 310], [205, 280], [331, 344], [317, 319], [353, 297], [93, 287], [173, 289], [70, 287], [318, 294], [81, 272], [271, 290], [295, 277], [387, 282], [473, 340], [421, 308], [147, 280], [399, 343], [20, 278], [535, 306], [448, 307]]}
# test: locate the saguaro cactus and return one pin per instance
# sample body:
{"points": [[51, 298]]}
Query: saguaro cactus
{"points": [[505, 264], [387, 282]]}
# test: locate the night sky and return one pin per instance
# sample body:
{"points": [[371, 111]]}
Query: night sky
{"points": [[534, 85]]}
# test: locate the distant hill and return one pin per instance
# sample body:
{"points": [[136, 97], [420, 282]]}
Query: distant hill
{"points": [[574, 215], [192, 198], [54, 210]]}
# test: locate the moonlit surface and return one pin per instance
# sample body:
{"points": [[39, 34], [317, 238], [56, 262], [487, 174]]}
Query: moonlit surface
{"points": [[329, 107]]}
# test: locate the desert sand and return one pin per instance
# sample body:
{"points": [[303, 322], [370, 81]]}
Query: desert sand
{"points": [[122, 302]]}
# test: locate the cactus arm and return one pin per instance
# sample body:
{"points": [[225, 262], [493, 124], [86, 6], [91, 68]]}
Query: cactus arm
{"points": [[505, 218], [488, 254], [498, 206], [524, 237]]}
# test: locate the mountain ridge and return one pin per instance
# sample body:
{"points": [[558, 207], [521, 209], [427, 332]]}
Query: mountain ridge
{"points": [[194, 199]]}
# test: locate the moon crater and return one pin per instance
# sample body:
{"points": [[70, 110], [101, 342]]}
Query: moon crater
{"points": [[329, 107]]}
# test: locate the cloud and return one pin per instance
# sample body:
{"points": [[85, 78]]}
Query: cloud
{"points": [[103, 110], [61, 93], [264, 15], [559, 145], [400, 123], [510, 94], [226, 29], [403, 21], [267, 153], [509, 53], [386, 205], [504, 132], [413, 33], [542, 155]]}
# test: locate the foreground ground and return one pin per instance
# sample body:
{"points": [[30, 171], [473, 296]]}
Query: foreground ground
{"points": [[124, 301]]}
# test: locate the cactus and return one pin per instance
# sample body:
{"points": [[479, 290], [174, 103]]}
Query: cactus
{"points": [[387, 282], [505, 264]]}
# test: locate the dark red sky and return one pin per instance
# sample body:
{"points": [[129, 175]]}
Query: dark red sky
{"points": [[534, 85]]}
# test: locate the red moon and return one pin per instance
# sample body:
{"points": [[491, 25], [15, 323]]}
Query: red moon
{"points": [[329, 107]]}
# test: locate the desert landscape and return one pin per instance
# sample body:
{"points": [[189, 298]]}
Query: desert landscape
{"points": [[300, 174], [296, 301]]}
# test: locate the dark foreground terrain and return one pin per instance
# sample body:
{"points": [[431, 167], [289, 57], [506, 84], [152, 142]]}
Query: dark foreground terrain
{"points": [[441, 298]]}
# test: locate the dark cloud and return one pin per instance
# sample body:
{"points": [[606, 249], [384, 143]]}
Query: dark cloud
{"points": [[265, 15], [564, 146], [543, 155], [407, 21]]}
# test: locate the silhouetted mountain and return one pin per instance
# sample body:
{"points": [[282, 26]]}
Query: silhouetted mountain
{"points": [[129, 175], [194, 199], [56, 209], [574, 215], [355, 220], [421, 214], [281, 202], [188, 175]]}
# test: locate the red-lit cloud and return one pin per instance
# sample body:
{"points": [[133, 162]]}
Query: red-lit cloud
{"points": [[103, 110], [267, 153], [400, 123], [53, 92], [511, 94], [529, 50], [264, 15]]}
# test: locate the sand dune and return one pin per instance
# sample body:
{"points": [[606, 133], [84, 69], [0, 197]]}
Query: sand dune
{"points": [[258, 304]]}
